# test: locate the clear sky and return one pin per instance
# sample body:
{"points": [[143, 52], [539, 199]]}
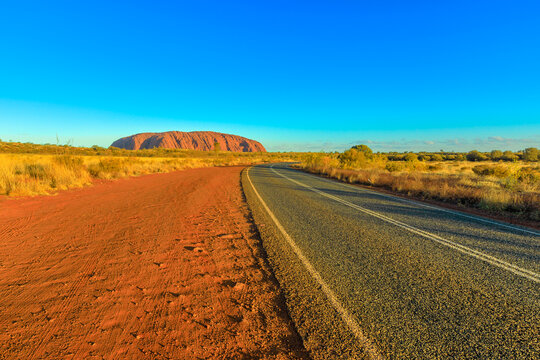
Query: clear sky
{"points": [[295, 75]]}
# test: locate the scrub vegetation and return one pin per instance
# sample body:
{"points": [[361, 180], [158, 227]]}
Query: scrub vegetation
{"points": [[29, 169], [499, 182]]}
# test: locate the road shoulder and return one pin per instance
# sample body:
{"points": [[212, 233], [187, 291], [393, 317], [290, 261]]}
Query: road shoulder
{"points": [[324, 333], [159, 266]]}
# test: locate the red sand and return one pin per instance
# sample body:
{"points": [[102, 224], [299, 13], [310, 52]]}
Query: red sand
{"points": [[164, 266]]}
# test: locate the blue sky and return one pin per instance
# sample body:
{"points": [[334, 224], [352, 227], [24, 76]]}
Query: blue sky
{"points": [[295, 75]]}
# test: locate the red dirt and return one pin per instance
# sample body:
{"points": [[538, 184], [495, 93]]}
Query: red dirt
{"points": [[156, 267], [195, 140]]}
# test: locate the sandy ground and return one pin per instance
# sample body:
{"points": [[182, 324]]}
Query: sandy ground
{"points": [[165, 266]]}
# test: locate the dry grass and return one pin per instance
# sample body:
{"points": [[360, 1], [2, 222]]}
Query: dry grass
{"points": [[502, 188], [38, 174]]}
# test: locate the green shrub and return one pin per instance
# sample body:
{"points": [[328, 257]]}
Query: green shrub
{"points": [[353, 158], [363, 148], [487, 170], [527, 175], [475, 155], [530, 154], [35, 171], [393, 166], [509, 156], [411, 157], [105, 167], [496, 155], [70, 162], [509, 183]]}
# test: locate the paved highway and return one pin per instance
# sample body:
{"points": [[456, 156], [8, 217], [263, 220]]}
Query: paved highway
{"points": [[369, 275]]}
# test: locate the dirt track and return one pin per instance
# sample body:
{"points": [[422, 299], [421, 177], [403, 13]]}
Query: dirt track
{"points": [[162, 266]]}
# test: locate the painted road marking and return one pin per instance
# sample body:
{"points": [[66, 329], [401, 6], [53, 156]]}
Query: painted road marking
{"points": [[345, 315], [417, 203], [528, 274]]}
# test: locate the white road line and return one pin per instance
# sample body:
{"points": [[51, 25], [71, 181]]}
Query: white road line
{"points": [[531, 275], [417, 203], [345, 315]]}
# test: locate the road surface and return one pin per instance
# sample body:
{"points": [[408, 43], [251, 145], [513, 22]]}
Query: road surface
{"points": [[369, 275]]}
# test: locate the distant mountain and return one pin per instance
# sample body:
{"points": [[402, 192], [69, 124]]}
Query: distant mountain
{"points": [[195, 140]]}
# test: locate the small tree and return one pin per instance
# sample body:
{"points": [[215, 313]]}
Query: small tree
{"points": [[496, 155], [363, 148], [217, 146], [530, 154], [509, 156], [475, 155], [353, 158], [411, 157]]}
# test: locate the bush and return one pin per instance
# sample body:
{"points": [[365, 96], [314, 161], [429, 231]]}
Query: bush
{"points": [[496, 155], [316, 160], [411, 157], [527, 175], [393, 166], [363, 148], [530, 154], [509, 156], [475, 155], [107, 168], [486, 170], [353, 158], [70, 162], [35, 171]]}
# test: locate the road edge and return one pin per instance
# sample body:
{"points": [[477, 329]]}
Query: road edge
{"points": [[260, 254], [448, 206], [333, 338]]}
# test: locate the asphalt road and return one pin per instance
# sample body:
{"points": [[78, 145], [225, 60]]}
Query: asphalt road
{"points": [[368, 275]]}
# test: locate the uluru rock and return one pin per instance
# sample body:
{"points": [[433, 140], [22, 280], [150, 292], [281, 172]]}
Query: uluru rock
{"points": [[195, 140]]}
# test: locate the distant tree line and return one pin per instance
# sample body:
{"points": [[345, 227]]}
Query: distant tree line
{"points": [[530, 154], [357, 153], [30, 148], [363, 152]]}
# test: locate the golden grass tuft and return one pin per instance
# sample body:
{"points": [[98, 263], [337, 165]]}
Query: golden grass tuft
{"points": [[23, 175], [508, 188], [41, 174]]}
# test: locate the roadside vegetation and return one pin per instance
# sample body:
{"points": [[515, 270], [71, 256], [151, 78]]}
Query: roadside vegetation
{"points": [[29, 169], [499, 182], [505, 183]]}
